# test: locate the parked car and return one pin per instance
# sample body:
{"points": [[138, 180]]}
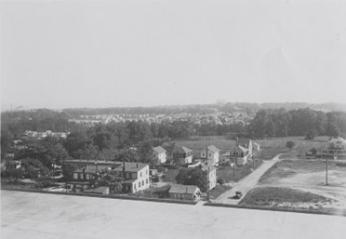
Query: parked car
{"points": [[237, 195]]}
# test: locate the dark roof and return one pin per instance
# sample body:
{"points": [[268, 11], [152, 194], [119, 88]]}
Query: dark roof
{"points": [[114, 165], [181, 149], [159, 149], [179, 188], [244, 141]]}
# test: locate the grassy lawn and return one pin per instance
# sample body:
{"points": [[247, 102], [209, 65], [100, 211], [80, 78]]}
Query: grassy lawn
{"points": [[277, 196], [273, 146], [288, 168], [227, 173], [218, 190], [170, 175]]}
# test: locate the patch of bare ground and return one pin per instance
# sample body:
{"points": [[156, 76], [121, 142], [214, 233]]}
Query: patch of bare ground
{"points": [[279, 197]]}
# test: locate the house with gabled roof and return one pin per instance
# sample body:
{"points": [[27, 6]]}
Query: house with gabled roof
{"points": [[133, 176], [211, 155], [160, 154], [182, 155], [242, 152], [184, 192]]}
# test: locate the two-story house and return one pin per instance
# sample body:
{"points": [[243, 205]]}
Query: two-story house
{"points": [[133, 176], [211, 154], [160, 154], [242, 152], [182, 155]]}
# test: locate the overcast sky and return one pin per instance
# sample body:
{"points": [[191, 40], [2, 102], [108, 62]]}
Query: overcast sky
{"points": [[155, 52]]}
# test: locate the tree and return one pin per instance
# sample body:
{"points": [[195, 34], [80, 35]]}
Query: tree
{"points": [[80, 145], [332, 131], [6, 141], [290, 144], [311, 134], [145, 153], [67, 170], [15, 173], [195, 176], [102, 139], [34, 168]]}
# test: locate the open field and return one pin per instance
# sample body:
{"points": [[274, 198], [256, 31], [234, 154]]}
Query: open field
{"points": [[305, 172], [47, 216], [273, 146], [302, 176]]}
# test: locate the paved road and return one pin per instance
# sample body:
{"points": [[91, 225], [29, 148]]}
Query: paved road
{"points": [[49, 216], [247, 183]]}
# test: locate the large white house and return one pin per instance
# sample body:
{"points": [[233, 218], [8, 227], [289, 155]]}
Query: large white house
{"points": [[160, 154], [211, 154], [133, 176]]}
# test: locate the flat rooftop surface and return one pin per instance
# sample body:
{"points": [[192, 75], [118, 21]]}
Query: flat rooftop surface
{"points": [[35, 215]]}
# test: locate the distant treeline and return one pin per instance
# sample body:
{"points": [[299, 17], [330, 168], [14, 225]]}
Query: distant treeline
{"points": [[301, 122], [249, 108], [115, 140]]}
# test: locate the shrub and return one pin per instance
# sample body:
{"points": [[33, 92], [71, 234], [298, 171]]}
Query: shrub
{"points": [[290, 144]]}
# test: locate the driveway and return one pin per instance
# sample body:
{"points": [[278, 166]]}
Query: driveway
{"points": [[247, 183]]}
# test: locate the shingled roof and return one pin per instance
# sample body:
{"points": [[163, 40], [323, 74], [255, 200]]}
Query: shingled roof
{"points": [[213, 148], [159, 149], [179, 188]]}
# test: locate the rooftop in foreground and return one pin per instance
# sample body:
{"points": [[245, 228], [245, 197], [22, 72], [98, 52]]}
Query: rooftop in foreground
{"points": [[36, 216]]}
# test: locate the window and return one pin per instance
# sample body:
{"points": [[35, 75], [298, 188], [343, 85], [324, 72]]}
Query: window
{"points": [[142, 182], [147, 181], [139, 184]]}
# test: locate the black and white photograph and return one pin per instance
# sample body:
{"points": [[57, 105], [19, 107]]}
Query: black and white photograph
{"points": [[162, 119]]}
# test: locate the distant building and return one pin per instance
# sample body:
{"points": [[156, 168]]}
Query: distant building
{"points": [[335, 149], [160, 154], [182, 155], [242, 152], [133, 176], [184, 192], [211, 175], [45, 134], [211, 154]]}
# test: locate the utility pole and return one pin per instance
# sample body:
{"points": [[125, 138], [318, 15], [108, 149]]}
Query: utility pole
{"points": [[327, 170]]}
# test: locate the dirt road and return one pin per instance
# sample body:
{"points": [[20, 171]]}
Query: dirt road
{"points": [[247, 183]]}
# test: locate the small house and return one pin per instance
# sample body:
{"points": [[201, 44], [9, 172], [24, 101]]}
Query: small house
{"points": [[182, 155], [160, 154], [184, 192]]}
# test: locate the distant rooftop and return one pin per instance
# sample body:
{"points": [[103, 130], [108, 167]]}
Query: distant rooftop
{"points": [[114, 165], [159, 149], [182, 149]]}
